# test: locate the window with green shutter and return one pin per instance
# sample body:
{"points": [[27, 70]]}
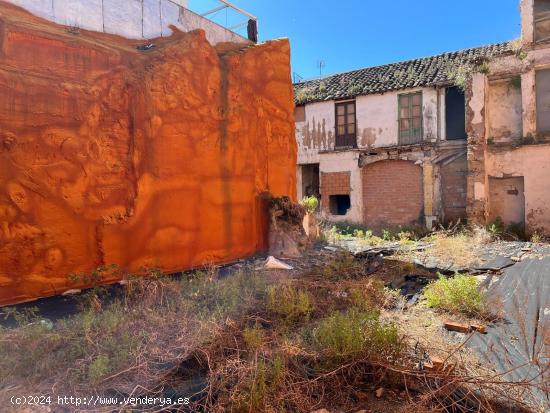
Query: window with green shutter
{"points": [[410, 118]]}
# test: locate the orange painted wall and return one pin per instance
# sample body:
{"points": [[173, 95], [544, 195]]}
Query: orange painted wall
{"points": [[111, 155]]}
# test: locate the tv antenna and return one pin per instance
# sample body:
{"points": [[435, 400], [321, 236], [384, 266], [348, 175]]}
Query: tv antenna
{"points": [[321, 65]]}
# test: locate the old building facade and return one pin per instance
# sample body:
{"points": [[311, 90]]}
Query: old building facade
{"points": [[386, 146], [459, 136], [509, 130]]}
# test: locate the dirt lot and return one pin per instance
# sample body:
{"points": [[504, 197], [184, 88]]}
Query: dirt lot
{"points": [[340, 331]]}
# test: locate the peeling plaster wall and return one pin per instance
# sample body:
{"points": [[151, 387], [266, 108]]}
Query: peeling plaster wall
{"points": [[346, 162], [533, 164], [377, 120], [377, 124], [505, 114], [110, 155], [316, 133], [527, 27], [494, 112], [475, 129], [133, 19]]}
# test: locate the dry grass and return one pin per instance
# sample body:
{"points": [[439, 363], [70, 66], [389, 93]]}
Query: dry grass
{"points": [[458, 249], [255, 341]]}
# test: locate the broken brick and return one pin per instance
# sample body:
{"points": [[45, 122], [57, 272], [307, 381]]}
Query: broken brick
{"points": [[459, 327], [439, 365], [480, 328]]}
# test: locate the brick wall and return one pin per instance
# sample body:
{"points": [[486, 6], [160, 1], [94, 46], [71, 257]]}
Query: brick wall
{"points": [[453, 189], [333, 183], [392, 193]]}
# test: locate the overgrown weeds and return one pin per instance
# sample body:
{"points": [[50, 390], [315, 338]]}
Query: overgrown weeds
{"points": [[252, 341], [354, 332], [288, 303], [128, 337], [458, 248], [459, 294]]}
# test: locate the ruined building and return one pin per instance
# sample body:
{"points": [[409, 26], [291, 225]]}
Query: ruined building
{"points": [[386, 145], [138, 153], [434, 140], [509, 130]]}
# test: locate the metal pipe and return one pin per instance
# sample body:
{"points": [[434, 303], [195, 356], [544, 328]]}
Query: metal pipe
{"points": [[239, 9], [215, 10], [237, 26]]}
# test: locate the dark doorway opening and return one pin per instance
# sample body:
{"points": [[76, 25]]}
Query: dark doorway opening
{"points": [[310, 180], [339, 204], [455, 114]]}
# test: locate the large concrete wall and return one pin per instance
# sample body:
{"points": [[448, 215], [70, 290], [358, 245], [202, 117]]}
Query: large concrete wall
{"points": [[133, 19], [111, 155]]}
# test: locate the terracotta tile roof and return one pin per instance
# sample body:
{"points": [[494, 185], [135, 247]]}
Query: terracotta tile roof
{"points": [[427, 71]]}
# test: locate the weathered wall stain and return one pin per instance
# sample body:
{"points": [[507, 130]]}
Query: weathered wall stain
{"points": [[368, 137], [113, 155], [316, 136]]}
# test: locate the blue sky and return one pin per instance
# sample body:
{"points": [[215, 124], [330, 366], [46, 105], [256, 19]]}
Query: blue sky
{"points": [[351, 34]]}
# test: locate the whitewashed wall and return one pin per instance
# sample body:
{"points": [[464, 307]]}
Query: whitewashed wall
{"points": [[377, 124], [134, 19]]}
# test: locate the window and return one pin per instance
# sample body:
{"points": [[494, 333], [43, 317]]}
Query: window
{"points": [[543, 100], [455, 114], [346, 136], [542, 21], [339, 204], [410, 118]]}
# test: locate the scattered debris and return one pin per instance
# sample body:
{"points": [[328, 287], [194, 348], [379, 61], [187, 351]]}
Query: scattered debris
{"points": [[72, 292], [464, 328], [455, 326], [275, 264], [379, 392], [287, 237], [439, 365], [411, 287], [144, 47], [480, 328]]}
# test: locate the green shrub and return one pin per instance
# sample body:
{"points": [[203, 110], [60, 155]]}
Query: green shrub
{"points": [[355, 332], [459, 294], [496, 227], [253, 337], [310, 203], [536, 237], [289, 303], [266, 378], [211, 297], [98, 369]]}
